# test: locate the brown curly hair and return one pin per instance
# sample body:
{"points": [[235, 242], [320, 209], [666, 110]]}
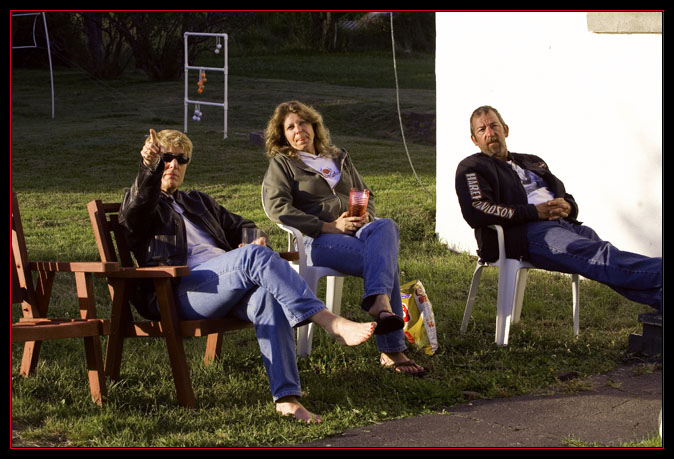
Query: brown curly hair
{"points": [[275, 139]]}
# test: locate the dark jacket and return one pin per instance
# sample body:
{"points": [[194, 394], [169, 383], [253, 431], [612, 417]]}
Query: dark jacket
{"points": [[156, 234], [298, 196], [491, 193]]}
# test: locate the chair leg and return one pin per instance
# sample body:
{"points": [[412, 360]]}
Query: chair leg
{"points": [[31, 354], [213, 348], [575, 292], [472, 294], [120, 316], [507, 278], [303, 341], [174, 343], [92, 344], [92, 349], [333, 293], [113, 356], [333, 301], [305, 333], [31, 349], [520, 287]]}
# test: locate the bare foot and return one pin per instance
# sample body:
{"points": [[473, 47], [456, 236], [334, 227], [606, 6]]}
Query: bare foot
{"points": [[290, 406], [345, 331]]}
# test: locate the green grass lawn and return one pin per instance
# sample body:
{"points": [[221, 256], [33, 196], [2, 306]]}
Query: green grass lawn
{"points": [[91, 150]]}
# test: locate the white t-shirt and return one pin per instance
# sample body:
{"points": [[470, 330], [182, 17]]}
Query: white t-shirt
{"points": [[534, 185], [200, 245], [324, 166]]}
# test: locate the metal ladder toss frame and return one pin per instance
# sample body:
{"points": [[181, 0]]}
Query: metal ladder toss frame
{"points": [[224, 70]]}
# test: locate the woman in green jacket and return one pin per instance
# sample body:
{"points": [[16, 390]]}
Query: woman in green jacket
{"points": [[307, 186]]}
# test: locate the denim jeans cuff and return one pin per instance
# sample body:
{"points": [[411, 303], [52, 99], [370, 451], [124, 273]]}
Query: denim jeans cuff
{"points": [[305, 318], [383, 349], [287, 393], [369, 299]]}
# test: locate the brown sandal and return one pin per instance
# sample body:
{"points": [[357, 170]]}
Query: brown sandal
{"points": [[396, 366]]}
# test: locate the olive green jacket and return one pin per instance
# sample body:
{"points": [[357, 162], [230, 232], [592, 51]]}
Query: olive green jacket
{"points": [[296, 195]]}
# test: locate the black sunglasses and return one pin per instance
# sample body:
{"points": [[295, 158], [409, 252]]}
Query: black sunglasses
{"points": [[168, 157]]}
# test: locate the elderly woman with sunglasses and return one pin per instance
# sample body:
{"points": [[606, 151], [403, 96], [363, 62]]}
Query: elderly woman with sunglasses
{"points": [[167, 226]]}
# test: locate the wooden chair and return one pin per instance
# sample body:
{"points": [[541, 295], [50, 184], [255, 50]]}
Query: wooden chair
{"points": [[112, 248], [36, 326]]}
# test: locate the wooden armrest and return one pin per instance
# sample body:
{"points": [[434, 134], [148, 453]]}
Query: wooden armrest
{"points": [[63, 266], [57, 320], [151, 272], [50, 329]]}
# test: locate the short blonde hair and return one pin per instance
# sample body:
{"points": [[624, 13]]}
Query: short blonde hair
{"points": [[275, 140], [171, 138]]}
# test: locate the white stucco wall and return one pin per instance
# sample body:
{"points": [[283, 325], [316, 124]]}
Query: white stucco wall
{"points": [[590, 104]]}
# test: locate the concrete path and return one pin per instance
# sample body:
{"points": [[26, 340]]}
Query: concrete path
{"points": [[621, 406]]}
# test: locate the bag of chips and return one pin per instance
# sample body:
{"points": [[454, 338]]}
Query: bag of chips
{"points": [[418, 316]]}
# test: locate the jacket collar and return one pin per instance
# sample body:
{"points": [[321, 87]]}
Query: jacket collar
{"points": [[300, 164], [179, 197]]}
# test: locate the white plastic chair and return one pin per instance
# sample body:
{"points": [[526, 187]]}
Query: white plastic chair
{"points": [[512, 280], [311, 275]]}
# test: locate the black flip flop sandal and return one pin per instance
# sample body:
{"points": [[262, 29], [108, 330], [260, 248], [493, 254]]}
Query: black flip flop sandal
{"points": [[388, 324]]}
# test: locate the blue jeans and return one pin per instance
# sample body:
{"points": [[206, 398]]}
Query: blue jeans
{"points": [[561, 246], [254, 283], [372, 255]]}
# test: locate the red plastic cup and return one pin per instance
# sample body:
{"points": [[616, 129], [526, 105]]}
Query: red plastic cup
{"points": [[358, 202]]}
